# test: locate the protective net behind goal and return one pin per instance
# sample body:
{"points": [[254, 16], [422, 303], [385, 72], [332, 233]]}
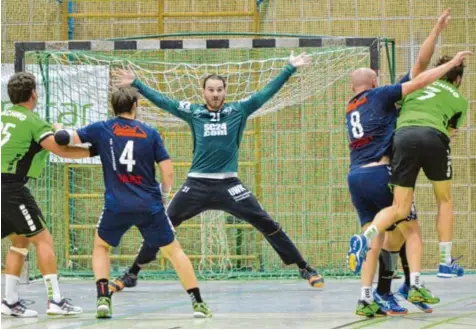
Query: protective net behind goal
{"points": [[293, 154]]}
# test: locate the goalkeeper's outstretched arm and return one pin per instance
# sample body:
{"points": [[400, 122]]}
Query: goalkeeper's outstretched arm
{"points": [[428, 47], [127, 78], [256, 101]]}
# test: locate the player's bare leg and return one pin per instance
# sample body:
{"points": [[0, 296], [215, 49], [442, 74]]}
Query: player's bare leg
{"points": [[12, 305], [412, 236], [366, 305], [101, 268], [184, 269], [46, 257], [444, 224], [388, 260], [414, 247]]}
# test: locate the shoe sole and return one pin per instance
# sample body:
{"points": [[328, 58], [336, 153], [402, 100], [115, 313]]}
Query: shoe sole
{"points": [[52, 313], [200, 315], [353, 255], [391, 313], [370, 315], [103, 312]]}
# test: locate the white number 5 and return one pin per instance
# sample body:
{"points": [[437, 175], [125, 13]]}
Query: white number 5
{"points": [[127, 156], [357, 129], [6, 132]]}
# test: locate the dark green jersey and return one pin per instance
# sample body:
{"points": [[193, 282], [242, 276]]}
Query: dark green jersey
{"points": [[22, 133], [216, 134]]}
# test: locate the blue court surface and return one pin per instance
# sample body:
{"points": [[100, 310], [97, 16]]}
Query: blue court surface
{"points": [[249, 304]]}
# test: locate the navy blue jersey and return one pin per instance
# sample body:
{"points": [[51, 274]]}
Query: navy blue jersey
{"points": [[129, 150], [371, 119]]}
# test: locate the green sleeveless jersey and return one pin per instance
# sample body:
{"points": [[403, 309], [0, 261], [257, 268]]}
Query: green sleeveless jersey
{"points": [[216, 134], [22, 132], [439, 105]]}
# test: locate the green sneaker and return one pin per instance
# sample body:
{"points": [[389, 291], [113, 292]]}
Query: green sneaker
{"points": [[103, 308], [369, 309], [422, 295], [201, 310]]}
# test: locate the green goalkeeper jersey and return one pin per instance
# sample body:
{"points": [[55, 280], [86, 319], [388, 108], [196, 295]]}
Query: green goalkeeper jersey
{"points": [[216, 134], [438, 105], [22, 133]]}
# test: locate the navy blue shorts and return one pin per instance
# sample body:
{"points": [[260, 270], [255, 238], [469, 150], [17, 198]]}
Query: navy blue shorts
{"points": [[370, 191], [156, 228]]}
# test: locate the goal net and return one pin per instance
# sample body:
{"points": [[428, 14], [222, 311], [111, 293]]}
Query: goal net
{"points": [[293, 155]]}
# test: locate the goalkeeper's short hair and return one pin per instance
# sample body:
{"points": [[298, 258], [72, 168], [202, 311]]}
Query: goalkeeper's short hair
{"points": [[214, 77]]}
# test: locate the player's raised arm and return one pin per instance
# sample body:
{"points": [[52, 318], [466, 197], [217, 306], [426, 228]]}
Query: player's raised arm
{"points": [[428, 47], [430, 76], [256, 101], [127, 78]]}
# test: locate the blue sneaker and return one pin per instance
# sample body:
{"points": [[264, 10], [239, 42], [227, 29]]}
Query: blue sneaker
{"points": [[358, 248], [403, 292], [449, 271], [389, 304]]}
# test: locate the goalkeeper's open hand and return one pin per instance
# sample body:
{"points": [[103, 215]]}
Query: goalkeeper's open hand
{"points": [[123, 78], [301, 60]]}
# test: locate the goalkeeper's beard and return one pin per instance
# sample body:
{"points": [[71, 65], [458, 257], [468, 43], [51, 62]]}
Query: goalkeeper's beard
{"points": [[213, 104]]}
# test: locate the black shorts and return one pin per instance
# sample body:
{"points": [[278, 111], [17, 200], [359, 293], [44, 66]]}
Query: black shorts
{"points": [[20, 213], [229, 195], [418, 147]]}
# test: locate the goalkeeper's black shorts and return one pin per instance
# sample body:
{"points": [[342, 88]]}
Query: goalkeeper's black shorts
{"points": [[197, 195]]}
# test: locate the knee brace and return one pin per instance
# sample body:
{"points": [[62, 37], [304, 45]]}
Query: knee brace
{"points": [[22, 251], [147, 254], [389, 260]]}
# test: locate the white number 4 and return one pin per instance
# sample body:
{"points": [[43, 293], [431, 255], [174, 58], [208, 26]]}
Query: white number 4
{"points": [[357, 129], [127, 156], [6, 132]]}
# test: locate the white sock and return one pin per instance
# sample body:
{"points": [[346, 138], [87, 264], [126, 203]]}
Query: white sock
{"points": [[445, 253], [52, 287], [415, 279], [11, 293], [366, 293], [370, 233]]}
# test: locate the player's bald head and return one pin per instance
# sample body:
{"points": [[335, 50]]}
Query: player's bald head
{"points": [[363, 79]]}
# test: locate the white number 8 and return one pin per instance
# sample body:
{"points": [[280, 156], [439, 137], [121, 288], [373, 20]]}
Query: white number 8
{"points": [[357, 129]]}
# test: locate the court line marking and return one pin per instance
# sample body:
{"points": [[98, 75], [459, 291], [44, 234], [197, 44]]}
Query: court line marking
{"points": [[386, 319], [448, 320]]}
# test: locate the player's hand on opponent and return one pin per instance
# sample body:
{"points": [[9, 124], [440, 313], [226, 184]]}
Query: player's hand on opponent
{"points": [[123, 78], [299, 61], [459, 57], [444, 19], [57, 126]]}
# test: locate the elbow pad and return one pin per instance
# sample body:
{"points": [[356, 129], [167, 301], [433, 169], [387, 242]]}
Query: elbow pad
{"points": [[64, 137]]}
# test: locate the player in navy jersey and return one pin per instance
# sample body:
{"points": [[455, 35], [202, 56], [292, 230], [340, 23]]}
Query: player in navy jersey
{"points": [[371, 119], [217, 128], [129, 150]]}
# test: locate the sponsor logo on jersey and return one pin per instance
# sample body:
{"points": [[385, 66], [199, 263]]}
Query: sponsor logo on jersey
{"points": [[129, 178], [448, 88], [15, 114], [356, 103], [356, 144], [239, 192], [215, 129], [128, 131]]}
